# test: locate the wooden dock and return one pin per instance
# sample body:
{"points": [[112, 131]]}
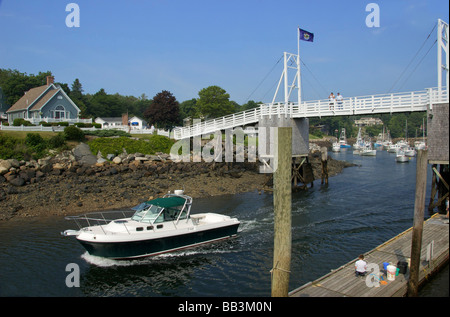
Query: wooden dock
{"points": [[342, 282]]}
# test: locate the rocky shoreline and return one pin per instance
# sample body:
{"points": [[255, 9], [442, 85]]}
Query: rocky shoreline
{"points": [[76, 181]]}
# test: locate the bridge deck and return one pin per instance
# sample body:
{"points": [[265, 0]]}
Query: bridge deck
{"points": [[387, 103]]}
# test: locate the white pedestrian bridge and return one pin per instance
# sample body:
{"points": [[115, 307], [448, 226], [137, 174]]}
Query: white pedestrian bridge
{"points": [[386, 103]]}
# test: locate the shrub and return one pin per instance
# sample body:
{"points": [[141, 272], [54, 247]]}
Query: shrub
{"points": [[20, 121], [36, 144], [73, 133], [116, 145], [108, 133], [56, 141]]}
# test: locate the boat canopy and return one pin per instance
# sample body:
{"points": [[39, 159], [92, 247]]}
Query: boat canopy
{"points": [[163, 209], [166, 202]]}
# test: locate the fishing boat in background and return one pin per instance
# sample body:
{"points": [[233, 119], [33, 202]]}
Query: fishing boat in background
{"points": [[343, 140], [421, 145], [368, 150], [359, 142], [157, 226]]}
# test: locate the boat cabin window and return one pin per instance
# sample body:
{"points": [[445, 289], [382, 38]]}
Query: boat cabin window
{"points": [[151, 214]]}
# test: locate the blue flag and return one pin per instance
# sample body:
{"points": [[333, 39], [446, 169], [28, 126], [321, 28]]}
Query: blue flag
{"points": [[306, 36]]}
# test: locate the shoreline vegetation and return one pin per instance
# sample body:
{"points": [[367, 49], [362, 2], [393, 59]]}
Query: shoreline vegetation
{"points": [[76, 181]]}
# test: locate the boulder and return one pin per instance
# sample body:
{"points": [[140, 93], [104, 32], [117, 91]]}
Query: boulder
{"points": [[18, 181], [5, 165]]}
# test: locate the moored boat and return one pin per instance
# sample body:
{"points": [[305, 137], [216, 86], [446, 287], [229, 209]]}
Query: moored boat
{"points": [[367, 150], [343, 140], [336, 147], [401, 157], [157, 226]]}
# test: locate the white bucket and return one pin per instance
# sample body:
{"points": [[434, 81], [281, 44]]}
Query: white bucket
{"points": [[391, 272], [178, 192]]}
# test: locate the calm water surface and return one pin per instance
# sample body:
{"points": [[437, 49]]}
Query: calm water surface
{"points": [[360, 209]]}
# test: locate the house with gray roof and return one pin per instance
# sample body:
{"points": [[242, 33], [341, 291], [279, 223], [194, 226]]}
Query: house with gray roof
{"points": [[47, 103]]}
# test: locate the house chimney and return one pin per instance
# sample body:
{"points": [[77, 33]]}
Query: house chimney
{"points": [[50, 80], [125, 119]]}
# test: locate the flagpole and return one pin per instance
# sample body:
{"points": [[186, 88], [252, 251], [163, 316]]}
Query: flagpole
{"points": [[298, 68]]}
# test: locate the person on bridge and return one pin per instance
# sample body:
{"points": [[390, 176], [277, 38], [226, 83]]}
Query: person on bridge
{"points": [[339, 100], [332, 100]]}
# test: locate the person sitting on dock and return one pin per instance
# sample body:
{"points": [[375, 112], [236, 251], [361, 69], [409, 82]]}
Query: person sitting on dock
{"points": [[360, 266]]}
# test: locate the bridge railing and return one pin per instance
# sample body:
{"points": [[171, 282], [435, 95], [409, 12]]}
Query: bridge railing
{"points": [[222, 123], [382, 103]]}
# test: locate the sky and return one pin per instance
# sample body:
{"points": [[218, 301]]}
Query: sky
{"points": [[140, 47]]}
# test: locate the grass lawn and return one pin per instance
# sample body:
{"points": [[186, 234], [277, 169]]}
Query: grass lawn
{"points": [[23, 134]]}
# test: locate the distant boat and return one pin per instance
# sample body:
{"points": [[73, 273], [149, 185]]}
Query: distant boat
{"points": [[367, 150], [359, 142], [410, 151], [420, 145], [401, 157], [343, 140], [336, 147]]}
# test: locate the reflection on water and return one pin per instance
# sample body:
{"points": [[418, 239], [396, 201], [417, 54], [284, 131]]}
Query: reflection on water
{"points": [[360, 209]]}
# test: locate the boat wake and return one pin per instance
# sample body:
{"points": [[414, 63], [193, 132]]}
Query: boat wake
{"points": [[200, 250]]}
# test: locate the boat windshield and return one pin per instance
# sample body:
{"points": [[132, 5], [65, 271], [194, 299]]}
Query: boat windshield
{"points": [[149, 214]]}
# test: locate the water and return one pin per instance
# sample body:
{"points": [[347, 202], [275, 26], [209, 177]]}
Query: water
{"points": [[360, 209]]}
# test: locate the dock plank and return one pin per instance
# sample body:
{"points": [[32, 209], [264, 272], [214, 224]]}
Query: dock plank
{"points": [[342, 282]]}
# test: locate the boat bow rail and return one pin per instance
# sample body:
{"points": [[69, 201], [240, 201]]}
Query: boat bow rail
{"points": [[99, 219]]}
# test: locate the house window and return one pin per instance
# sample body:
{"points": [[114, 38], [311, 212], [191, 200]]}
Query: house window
{"points": [[59, 112]]}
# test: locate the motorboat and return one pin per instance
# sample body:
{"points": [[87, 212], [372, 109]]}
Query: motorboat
{"points": [[156, 226], [420, 145], [401, 157], [367, 150], [410, 151], [336, 147]]}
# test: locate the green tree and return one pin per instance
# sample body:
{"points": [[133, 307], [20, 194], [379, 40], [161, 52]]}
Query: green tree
{"points": [[77, 90], [189, 108], [103, 105], [164, 111], [214, 102], [250, 105], [14, 83]]}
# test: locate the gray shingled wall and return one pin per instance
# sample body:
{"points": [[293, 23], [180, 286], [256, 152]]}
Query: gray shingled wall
{"points": [[438, 141]]}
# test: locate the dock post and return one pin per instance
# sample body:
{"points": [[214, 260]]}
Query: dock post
{"points": [[324, 161], [419, 206], [282, 214]]}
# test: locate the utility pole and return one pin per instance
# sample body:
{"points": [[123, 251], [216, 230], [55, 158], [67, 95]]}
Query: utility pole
{"points": [[282, 213], [419, 207]]}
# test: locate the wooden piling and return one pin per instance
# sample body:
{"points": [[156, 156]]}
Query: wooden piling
{"points": [[324, 161], [419, 207], [282, 214]]}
